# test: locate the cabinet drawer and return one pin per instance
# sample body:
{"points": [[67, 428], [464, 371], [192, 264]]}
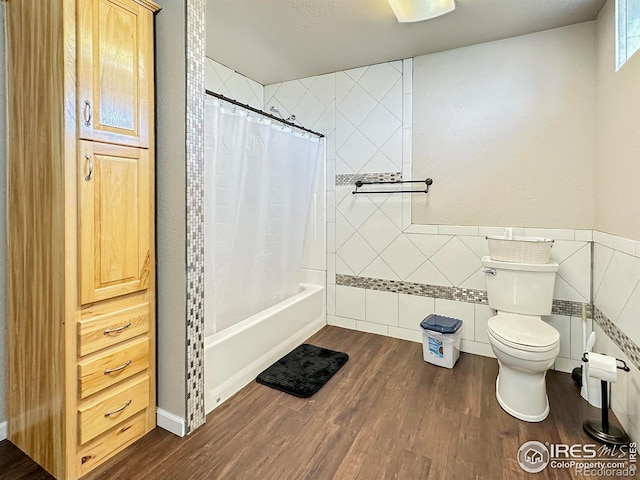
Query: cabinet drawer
{"points": [[116, 405], [112, 367], [110, 443], [102, 331]]}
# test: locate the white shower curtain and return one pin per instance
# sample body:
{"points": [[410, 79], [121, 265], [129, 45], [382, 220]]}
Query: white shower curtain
{"points": [[258, 184]]}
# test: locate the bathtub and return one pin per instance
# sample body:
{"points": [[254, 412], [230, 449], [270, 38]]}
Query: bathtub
{"points": [[235, 356]]}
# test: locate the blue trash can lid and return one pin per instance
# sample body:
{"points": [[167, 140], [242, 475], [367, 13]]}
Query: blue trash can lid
{"points": [[441, 324]]}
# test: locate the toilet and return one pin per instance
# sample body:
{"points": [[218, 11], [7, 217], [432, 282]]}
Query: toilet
{"points": [[524, 344]]}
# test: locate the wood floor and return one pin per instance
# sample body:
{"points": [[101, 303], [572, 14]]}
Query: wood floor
{"points": [[385, 415]]}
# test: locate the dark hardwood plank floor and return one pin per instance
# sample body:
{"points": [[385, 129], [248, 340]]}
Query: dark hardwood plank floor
{"points": [[385, 415]]}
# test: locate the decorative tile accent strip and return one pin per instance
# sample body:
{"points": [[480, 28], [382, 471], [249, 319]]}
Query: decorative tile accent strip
{"points": [[410, 288], [571, 309], [348, 179], [195, 213], [560, 307], [624, 343]]}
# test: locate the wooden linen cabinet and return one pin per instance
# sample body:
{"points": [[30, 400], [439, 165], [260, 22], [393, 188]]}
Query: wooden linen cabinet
{"points": [[80, 252]]}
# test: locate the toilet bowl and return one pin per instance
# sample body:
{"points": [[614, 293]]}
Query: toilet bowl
{"points": [[524, 344], [526, 347]]}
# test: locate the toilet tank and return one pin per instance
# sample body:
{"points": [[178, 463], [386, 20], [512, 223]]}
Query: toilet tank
{"points": [[522, 288]]}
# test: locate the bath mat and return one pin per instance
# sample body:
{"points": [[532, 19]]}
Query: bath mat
{"points": [[303, 371]]}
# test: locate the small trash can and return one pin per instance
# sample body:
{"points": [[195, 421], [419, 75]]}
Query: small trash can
{"points": [[441, 340]]}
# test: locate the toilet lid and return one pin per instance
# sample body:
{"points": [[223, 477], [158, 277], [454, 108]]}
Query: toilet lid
{"points": [[523, 332]]}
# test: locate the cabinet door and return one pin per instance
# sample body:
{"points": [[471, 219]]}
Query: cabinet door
{"points": [[115, 71], [114, 220]]}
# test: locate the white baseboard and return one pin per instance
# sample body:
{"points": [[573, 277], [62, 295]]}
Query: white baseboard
{"points": [[477, 348], [170, 422], [3, 431]]}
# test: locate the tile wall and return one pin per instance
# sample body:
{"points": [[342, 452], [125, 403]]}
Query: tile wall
{"points": [[384, 274], [616, 287], [229, 83], [195, 214]]}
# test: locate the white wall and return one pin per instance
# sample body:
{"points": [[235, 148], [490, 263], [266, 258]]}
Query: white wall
{"points": [[3, 248], [508, 124], [171, 207], [617, 191]]}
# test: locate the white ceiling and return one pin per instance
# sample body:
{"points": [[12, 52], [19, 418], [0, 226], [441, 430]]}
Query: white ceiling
{"points": [[272, 41]]}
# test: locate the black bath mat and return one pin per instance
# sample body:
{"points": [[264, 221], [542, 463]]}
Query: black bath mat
{"points": [[303, 371]]}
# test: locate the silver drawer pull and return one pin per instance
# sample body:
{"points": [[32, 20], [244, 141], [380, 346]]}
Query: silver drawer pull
{"points": [[490, 271], [117, 410], [119, 329], [117, 369]]}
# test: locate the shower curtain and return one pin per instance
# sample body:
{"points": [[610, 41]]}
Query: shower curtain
{"points": [[258, 185]]}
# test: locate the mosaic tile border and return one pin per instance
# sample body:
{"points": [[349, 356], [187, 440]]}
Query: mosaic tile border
{"points": [[617, 336], [195, 34], [410, 288], [560, 307], [349, 179], [571, 309]]}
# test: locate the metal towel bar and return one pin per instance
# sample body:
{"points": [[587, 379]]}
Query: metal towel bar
{"points": [[360, 184]]}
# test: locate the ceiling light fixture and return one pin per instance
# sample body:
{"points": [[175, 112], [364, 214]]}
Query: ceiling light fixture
{"points": [[418, 10]]}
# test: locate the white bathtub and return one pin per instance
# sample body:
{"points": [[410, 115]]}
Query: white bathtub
{"points": [[235, 356]]}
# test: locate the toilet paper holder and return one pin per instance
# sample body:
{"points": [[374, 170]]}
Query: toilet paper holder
{"points": [[601, 430], [624, 366]]}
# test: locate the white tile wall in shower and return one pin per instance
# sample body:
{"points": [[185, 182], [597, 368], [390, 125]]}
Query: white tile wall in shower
{"points": [[342, 322], [403, 257], [356, 209], [370, 327], [356, 253], [369, 119], [562, 324], [482, 314], [381, 307], [331, 300], [229, 83], [380, 231], [456, 261], [413, 309], [350, 302], [311, 100], [378, 269], [405, 334], [427, 273]]}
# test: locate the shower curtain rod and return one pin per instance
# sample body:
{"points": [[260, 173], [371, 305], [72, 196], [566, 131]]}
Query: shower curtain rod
{"points": [[261, 112]]}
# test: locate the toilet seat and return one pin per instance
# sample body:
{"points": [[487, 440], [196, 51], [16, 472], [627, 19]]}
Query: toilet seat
{"points": [[523, 332]]}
